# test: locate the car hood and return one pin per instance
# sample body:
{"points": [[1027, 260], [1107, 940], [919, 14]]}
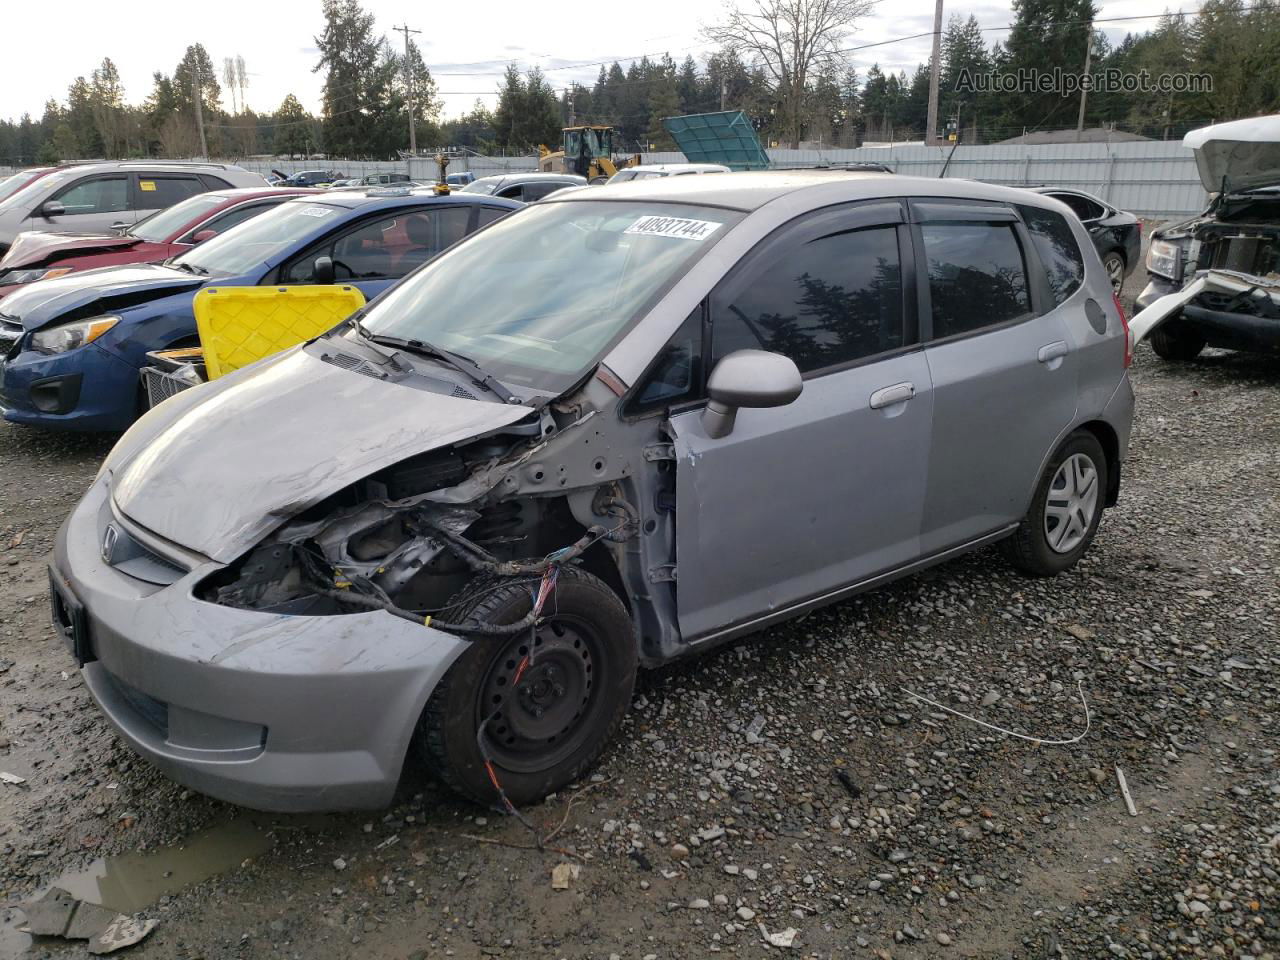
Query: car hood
{"points": [[33, 248], [1239, 155], [110, 288], [257, 447]]}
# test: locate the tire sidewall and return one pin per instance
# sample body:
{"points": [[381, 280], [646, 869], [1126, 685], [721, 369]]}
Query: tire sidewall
{"points": [[582, 598], [1043, 555]]}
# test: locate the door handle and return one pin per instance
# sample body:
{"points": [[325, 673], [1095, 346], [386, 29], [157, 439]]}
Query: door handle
{"points": [[1053, 351], [888, 396]]}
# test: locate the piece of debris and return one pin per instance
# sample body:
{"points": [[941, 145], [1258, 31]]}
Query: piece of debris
{"points": [[1124, 791], [641, 860], [59, 914], [1079, 632], [17, 541], [122, 932], [50, 916], [562, 874], [853, 789], [13, 778], [783, 938]]}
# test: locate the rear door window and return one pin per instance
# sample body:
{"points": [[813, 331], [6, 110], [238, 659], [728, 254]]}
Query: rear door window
{"points": [[1056, 244], [976, 276], [96, 195], [159, 192], [536, 191], [831, 300]]}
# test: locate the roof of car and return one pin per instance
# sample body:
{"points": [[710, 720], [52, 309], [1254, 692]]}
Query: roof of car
{"points": [[531, 175], [253, 193], [657, 167], [750, 191], [390, 197]]}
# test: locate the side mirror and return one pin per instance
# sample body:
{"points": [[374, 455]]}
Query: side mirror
{"points": [[52, 208], [322, 270], [748, 378], [202, 235]]}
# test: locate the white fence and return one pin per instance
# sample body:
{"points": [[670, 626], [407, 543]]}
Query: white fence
{"points": [[1152, 178]]}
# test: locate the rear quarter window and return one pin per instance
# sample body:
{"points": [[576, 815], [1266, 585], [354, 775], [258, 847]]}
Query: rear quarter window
{"points": [[1059, 252]]}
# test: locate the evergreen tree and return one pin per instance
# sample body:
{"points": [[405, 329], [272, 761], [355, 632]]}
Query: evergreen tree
{"points": [[511, 107], [351, 57]]}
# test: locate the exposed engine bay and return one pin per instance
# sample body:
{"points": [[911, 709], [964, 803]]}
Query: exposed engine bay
{"points": [[409, 537]]}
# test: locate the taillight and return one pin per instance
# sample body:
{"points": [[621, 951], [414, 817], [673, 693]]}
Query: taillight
{"points": [[1128, 337]]}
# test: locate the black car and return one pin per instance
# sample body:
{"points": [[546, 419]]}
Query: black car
{"points": [[310, 178], [1116, 235]]}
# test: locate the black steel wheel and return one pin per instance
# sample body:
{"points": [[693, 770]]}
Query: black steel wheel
{"points": [[540, 704]]}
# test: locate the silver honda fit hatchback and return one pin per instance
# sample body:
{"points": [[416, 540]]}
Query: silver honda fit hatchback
{"points": [[610, 430]]}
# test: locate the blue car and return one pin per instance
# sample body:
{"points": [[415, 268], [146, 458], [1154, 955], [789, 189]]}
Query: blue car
{"points": [[71, 347]]}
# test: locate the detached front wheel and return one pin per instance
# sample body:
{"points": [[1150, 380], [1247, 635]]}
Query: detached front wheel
{"points": [[543, 726], [1177, 342]]}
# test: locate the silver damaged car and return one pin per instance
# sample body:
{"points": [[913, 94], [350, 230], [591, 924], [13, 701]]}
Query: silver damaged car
{"points": [[616, 428]]}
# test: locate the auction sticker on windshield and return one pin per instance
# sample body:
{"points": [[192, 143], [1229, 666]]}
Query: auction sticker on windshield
{"points": [[315, 211], [673, 227]]}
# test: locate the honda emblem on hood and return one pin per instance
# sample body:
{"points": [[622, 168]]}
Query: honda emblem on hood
{"points": [[109, 539]]}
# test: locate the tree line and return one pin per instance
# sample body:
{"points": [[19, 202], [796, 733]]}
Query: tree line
{"points": [[818, 100]]}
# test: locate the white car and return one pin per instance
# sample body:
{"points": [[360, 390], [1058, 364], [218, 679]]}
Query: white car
{"points": [[95, 197], [651, 171]]}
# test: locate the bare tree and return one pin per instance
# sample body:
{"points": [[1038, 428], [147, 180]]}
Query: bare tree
{"points": [[242, 81], [793, 40], [229, 80]]}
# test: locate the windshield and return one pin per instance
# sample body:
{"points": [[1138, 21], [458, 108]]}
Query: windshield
{"points": [[163, 224], [254, 242], [481, 186], [11, 185], [536, 298], [33, 191]]}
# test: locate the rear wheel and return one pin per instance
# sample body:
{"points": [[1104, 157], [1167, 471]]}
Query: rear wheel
{"points": [[1065, 510], [543, 725], [1176, 341], [1114, 264]]}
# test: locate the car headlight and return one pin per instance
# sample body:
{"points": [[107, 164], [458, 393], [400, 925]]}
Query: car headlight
{"points": [[68, 336], [31, 276], [1162, 258]]}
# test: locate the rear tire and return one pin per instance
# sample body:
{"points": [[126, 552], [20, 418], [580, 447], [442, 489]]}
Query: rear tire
{"points": [[1113, 262], [1176, 342], [1065, 510], [548, 730]]}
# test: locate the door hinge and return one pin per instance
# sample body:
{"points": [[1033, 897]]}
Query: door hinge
{"points": [[660, 451], [663, 573]]}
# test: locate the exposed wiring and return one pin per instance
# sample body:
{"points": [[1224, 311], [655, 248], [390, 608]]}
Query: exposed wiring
{"points": [[1088, 721]]}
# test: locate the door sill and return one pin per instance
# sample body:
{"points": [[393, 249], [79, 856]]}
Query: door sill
{"points": [[715, 638]]}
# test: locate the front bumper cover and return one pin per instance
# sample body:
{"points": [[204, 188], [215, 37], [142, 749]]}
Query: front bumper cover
{"points": [[273, 712]]}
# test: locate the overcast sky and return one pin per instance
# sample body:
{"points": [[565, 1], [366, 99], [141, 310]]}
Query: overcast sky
{"points": [[466, 46]]}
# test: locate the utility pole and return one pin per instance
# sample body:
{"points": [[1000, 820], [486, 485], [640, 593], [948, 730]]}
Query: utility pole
{"points": [[572, 116], [722, 93], [196, 96], [935, 75], [1084, 88], [408, 82]]}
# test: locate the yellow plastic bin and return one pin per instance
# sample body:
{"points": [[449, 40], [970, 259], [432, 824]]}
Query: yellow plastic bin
{"points": [[240, 325]]}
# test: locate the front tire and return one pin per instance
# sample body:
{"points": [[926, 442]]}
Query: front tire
{"points": [[1176, 342], [551, 727], [1065, 510]]}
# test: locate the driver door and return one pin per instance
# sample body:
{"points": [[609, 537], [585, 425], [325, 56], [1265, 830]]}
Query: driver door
{"points": [[802, 500]]}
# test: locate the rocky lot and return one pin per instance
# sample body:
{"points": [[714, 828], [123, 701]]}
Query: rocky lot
{"points": [[790, 789]]}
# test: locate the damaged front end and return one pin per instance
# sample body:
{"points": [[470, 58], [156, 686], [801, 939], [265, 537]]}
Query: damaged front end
{"points": [[408, 538]]}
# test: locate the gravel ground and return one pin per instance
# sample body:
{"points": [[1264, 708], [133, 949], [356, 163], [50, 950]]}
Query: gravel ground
{"points": [[789, 782]]}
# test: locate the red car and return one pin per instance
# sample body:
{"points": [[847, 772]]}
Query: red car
{"points": [[164, 234]]}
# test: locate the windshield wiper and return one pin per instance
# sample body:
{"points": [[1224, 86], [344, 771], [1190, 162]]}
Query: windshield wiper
{"points": [[191, 268], [469, 368]]}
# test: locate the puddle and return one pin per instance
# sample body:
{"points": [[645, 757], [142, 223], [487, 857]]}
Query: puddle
{"points": [[132, 881]]}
